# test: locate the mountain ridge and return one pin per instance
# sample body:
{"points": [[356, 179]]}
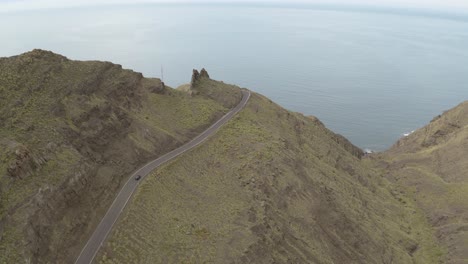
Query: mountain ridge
{"points": [[270, 186], [430, 164], [72, 131]]}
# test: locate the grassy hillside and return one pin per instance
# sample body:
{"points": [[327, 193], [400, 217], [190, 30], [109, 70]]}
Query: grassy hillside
{"points": [[70, 134], [432, 166], [271, 186]]}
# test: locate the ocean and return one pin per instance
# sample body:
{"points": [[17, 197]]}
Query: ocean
{"points": [[368, 75]]}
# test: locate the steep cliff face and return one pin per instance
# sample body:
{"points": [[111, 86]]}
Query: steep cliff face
{"points": [[271, 186], [71, 132], [431, 165], [340, 140]]}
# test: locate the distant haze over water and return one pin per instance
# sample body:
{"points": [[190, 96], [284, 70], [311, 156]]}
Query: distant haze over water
{"points": [[370, 76]]}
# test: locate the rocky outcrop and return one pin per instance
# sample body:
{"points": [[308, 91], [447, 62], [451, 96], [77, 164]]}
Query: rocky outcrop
{"points": [[154, 85], [196, 76], [204, 73], [22, 163]]}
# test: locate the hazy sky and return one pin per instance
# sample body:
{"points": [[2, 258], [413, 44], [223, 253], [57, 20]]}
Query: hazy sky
{"points": [[18, 5]]}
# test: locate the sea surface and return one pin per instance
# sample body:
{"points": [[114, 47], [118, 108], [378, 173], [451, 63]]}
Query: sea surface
{"points": [[370, 76]]}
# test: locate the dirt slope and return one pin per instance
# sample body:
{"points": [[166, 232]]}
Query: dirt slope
{"points": [[271, 187]]}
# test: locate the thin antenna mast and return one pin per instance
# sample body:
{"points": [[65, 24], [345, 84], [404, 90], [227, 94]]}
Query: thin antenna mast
{"points": [[162, 73]]}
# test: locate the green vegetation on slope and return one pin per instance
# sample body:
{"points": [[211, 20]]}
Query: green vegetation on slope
{"points": [[431, 165], [270, 187], [70, 134]]}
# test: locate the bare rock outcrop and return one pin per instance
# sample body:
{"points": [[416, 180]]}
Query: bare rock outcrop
{"points": [[196, 76], [204, 73], [22, 162]]}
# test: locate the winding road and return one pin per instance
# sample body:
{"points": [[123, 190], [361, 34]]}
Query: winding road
{"points": [[105, 226]]}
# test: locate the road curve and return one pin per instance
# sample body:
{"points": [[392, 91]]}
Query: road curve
{"points": [[105, 226]]}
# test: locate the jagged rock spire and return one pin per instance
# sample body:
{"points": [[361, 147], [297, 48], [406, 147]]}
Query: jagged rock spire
{"points": [[198, 75], [195, 76], [204, 73]]}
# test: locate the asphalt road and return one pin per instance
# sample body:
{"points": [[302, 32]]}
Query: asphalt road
{"points": [[105, 226]]}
